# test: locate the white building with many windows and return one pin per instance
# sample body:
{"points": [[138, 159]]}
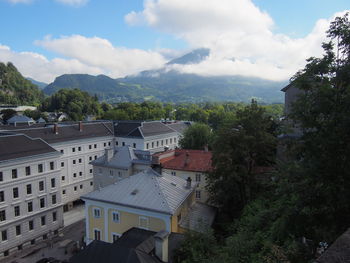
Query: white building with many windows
{"points": [[153, 136], [79, 144], [30, 192]]}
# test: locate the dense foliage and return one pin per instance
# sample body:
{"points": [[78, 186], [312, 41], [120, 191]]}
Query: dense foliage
{"points": [[307, 197], [15, 89], [76, 103], [196, 137]]}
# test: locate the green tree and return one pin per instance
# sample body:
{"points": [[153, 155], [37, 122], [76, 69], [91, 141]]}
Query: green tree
{"points": [[7, 114], [240, 146], [196, 137]]}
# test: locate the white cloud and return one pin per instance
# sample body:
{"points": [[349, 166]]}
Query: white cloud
{"points": [[40, 68], [73, 2], [231, 29]]}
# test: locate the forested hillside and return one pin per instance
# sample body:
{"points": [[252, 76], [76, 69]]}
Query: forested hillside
{"points": [[15, 89]]}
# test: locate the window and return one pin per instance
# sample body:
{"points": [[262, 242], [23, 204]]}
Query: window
{"points": [[143, 222], [90, 158], [32, 242], [97, 234], [198, 194], [2, 196], [116, 143], [162, 142], [171, 140], [2, 215], [29, 189], [30, 206], [115, 237], [28, 170], [54, 216], [79, 148], [147, 145], [111, 172], [62, 151], [134, 145], [91, 171], [74, 161], [17, 210], [4, 235], [63, 178], [43, 220], [62, 164], [115, 217], [80, 160], [166, 141], [42, 202], [20, 247], [53, 183], [198, 177], [41, 186], [73, 149], [152, 144], [52, 165], [80, 173], [95, 157], [90, 147], [18, 230], [175, 140], [1, 177], [81, 186], [109, 143], [31, 225], [53, 199], [173, 173], [40, 168], [123, 143], [75, 175], [104, 144], [14, 173], [95, 146], [91, 183], [97, 212], [75, 188], [157, 143], [63, 192], [15, 192]]}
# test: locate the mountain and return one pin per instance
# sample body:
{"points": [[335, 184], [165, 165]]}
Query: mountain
{"points": [[15, 89], [171, 86], [41, 85]]}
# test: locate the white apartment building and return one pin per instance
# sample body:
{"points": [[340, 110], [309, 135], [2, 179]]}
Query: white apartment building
{"points": [[30, 192], [153, 136], [79, 144]]}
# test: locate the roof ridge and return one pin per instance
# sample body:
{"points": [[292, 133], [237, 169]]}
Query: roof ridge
{"points": [[157, 175]]}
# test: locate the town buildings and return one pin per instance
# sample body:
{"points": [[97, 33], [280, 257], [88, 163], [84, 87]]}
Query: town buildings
{"points": [[194, 164], [146, 200], [119, 163], [79, 144], [30, 192], [153, 136]]}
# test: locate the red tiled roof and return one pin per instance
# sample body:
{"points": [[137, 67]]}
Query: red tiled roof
{"points": [[186, 160]]}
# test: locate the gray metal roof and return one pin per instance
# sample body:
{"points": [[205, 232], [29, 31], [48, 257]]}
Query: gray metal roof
{"points": [[139, 129], [20, 118], [124, 157], [146, 190]]}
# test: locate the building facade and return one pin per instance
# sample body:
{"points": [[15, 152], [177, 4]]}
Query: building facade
{"points": [[119, 163], [146, 200], [194, 164], [30, 192]]}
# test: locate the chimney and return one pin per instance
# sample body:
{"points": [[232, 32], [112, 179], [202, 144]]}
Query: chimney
{"points": [[80, 126], [189, 182], [55, 128], [187, 158], [161, 245], [109, 152]]}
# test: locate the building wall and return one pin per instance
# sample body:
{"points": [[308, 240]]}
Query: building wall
{"points": [[77, 173], [126, 141], [129, 217], [290, 96], [180, 213], [50, 206], [201, 191]]}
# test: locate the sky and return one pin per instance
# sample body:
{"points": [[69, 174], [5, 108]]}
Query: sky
{"points": [[270, 39]]}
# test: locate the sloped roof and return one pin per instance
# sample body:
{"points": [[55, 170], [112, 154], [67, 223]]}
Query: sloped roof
{"points": [[69, 132], [146, 190], [140, 129], [19, 146], [180, 127], [186, 160], [19, 118], [124, 157]]}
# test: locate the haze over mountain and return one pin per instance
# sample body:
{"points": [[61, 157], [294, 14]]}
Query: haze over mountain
{"points": [[40, 84], [168, 85]]}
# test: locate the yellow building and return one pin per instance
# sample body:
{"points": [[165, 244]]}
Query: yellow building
{"points": [[146, 200]]}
